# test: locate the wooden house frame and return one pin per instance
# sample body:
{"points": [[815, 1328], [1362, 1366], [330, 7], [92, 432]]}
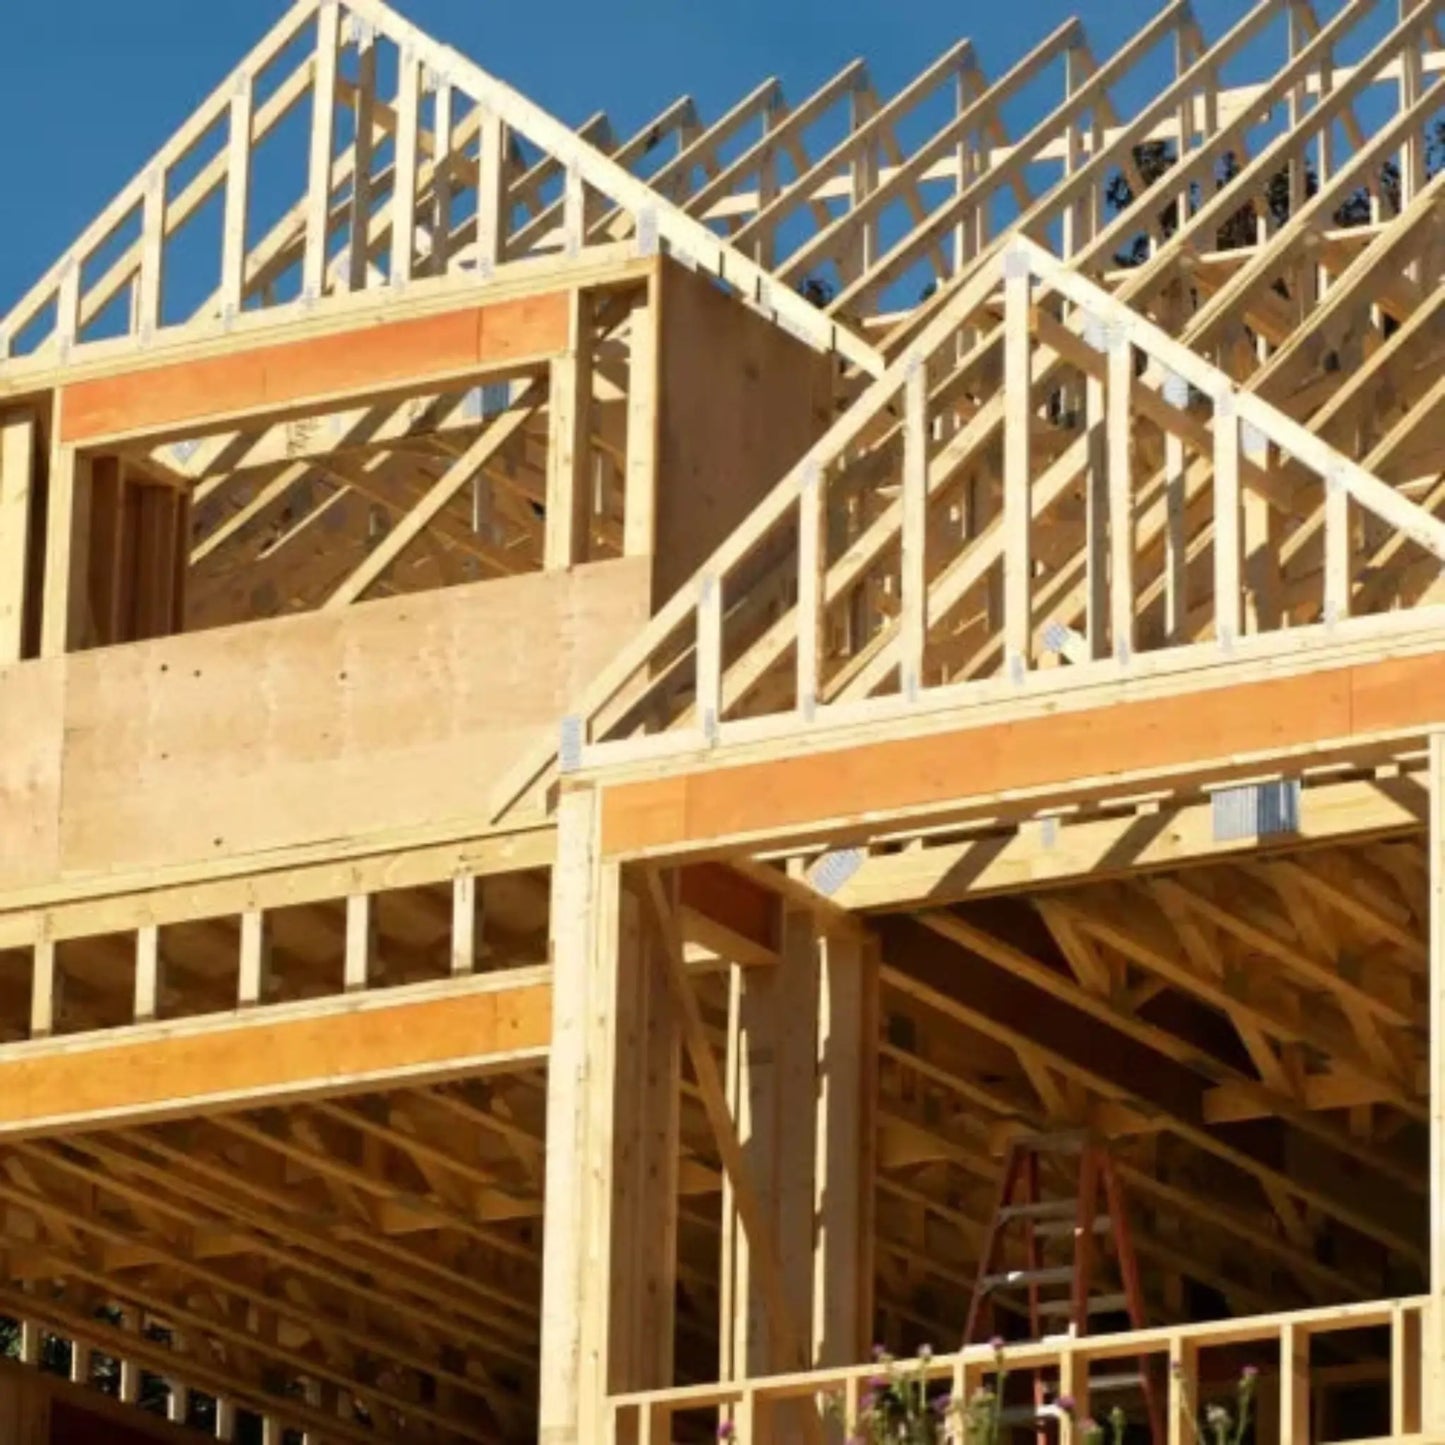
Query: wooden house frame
{"points": [[593, 726]]}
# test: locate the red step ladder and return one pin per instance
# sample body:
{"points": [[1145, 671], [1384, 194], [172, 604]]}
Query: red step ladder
{"points": [[1042, 1256]]}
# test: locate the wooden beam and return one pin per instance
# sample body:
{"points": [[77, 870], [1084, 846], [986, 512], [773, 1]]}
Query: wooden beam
{"points": [[368, 359], [1038, 853], [1182, 734], [499, 1021]]}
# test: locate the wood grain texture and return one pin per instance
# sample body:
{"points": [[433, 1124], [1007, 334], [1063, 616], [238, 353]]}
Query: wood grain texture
{"points": [[250, 1057], [373, 358], [242, 741], [691, 809]]}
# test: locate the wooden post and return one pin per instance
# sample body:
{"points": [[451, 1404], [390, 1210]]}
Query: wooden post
{"points": [[1096, 517], [1434, 1327], [1176, 542], [1121, 497], [358, 256], [812, 551], [466, 924], [238, 197], [1018, 418], [1226, 522], [66, 550], [843, 1168], [255, 958], [774, 1066], [403, 191], [569, 492], [1180, 1427], [584, 954], [360, 941], [1406, 1348], [441, 217], [44, 990], [1294, 1386], [645, 1181], [491, 193], [639, 508], [323, 130], [17, 471], [147, 972], [913, 619]]}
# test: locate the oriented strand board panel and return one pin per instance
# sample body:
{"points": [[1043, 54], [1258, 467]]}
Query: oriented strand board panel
{"points": [[32, 737], [739, 402], [244, 740], [375, 357]]}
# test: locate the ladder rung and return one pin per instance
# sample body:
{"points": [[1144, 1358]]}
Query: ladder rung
{"points": [[1102, 1225], [1063, 1274], [1065, 1141], [1049, 1209], [1099, 1304]]}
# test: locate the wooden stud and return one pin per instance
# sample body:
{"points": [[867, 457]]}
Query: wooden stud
{"points": [[569, 1078], [361, 959], [255, 959], [323, 120], [443, 142], [1121, 496], [64, 610], [45, 990], [639, 511], [709, 655], [1294, 1386], [913, 619], [1226, 521], [492, 206], [148, 283], [1337, 551], [569, 405], [812, 618], [358, 251], [842, 1182], [1096, 516], [646, 1154], [404, 170], [467, 926], [1434, 1328], [1406, 1361], [148, 975], [17, 471], [1183, 1387], [1017, 480]]}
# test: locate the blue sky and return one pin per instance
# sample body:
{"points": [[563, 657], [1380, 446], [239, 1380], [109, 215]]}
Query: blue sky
{"points": [[89, 89]]}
